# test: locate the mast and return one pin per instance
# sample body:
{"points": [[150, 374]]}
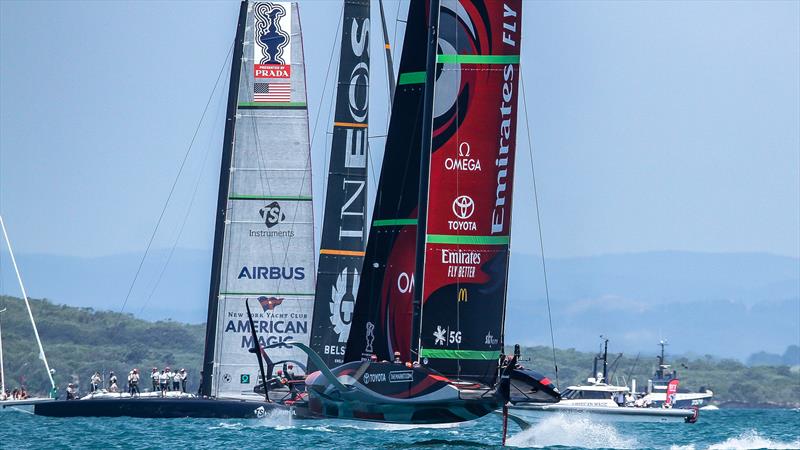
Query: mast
{"points": [[424, 168], [27, 305], [605, 360], [2, 372], [224, 180], [388, 49]]}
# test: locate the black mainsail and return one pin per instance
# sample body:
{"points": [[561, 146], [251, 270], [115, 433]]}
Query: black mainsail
{"points": [[344, 224]]}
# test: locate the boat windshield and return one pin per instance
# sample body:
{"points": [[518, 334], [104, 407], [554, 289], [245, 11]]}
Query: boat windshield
{"points": [[574, 394]]}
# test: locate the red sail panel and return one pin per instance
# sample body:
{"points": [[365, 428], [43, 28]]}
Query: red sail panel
{"points": [[470, 190]]}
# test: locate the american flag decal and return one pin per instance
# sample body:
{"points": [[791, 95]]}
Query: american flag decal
{"points": [[272, 92]]}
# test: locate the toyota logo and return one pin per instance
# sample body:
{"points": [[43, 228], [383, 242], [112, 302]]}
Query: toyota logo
{"points": [[463, 207]]}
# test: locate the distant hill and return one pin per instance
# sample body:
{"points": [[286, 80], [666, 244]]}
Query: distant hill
{"points": [[79, 341], [727, 304]]}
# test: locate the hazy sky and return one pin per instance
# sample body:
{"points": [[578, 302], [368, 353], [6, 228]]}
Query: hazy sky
{"points": [[655, 125]]}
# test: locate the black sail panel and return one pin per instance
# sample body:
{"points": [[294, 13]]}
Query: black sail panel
{"points": [[382, 320], [344, 224]]}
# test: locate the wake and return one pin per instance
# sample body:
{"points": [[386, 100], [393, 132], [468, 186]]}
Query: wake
{"points": [[572, 431]]}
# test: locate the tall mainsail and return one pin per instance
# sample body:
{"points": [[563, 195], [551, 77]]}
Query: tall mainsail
{"points": [[382, 320], [264, 243], [344, 227], [467, 194], [470, 188]]}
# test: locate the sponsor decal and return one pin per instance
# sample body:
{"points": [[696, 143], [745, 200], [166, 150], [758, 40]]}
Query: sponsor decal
{"points": [[464, 162], [463, 295], [227, 378], [244, 378], [491, 340], [401, 376], [374, 378], [463, 208], [269, 303], [445, 336], [272, 273], [343, 303], [272, 215], [460, 263], [370, 337], [260, 412], [506, 126], [273, 328], [405, 282], [273, 34]]}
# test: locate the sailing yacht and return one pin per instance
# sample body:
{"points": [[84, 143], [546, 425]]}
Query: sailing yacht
{"points": [[263, 252], [263, 286], [426, 338], [25, 404]]}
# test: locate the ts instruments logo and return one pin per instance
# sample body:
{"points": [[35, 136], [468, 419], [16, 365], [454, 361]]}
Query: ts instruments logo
{"points": [[463, 207], [445, 336], [272, 215]]}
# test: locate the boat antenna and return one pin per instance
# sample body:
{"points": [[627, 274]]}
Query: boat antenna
{"points": [[27, 305], [605, 358], [539, 225]]}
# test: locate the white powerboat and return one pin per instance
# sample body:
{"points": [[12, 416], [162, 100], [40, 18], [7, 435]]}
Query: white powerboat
{"points": [[602, 401]]}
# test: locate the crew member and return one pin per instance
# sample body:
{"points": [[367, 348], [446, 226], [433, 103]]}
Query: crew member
{"points": [[290, 372], [72, 393], [112, 382], [397, 358], [95, 382], [133, 382], [154, 378], [169, 378], [184, 377], [163, 382], [176, 381]]}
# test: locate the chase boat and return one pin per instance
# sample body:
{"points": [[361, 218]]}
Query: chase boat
{"points": [[600, 400]]}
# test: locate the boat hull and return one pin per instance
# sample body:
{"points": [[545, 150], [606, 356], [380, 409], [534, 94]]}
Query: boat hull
{"points": [[533, 413], [22, 405], [157, 408], [393, 393]]}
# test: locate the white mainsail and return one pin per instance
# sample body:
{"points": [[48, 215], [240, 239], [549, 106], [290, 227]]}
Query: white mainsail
{"points": [[268, 249]]}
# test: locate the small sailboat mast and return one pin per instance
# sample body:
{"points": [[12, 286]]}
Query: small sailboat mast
{"points": [[2, 371], [27, 305]]}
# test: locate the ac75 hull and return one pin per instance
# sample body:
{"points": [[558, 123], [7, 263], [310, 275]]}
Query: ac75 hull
{"points": [[394, 393]]}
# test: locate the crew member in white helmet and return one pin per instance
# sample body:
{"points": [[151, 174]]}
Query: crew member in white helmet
{"points": [[154, 378]]}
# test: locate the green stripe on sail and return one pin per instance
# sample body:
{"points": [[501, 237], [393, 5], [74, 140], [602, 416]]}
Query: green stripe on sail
{"points": [[393, 222], [467, 240], [287, 294], [268, 105], [488, 355], [411, 78], [296, 198], [478, 59]]}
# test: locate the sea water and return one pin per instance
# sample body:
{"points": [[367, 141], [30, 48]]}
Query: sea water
{"points": [[723, 429]]}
